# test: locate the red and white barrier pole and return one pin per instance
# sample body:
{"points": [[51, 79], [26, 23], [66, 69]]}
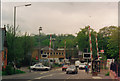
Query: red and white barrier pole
{"points": [[90, 44], [97, 47], [65, 51]]}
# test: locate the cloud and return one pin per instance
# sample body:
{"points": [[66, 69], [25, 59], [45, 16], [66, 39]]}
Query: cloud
{"points": [[63, 17]]}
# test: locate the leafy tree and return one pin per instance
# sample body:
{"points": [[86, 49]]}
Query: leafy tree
{"points": [[113, 48], [18, 46], [104, 37], [83, 40]]}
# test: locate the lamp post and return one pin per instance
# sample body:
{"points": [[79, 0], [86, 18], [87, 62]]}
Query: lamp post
{"points": [[40, 29], [15, 15], [14, 24]]}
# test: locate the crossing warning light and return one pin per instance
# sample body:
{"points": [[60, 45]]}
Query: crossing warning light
{"points": [[102, 51]]}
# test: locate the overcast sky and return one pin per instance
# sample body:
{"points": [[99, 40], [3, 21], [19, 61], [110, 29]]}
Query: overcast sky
{"points": [[61, 17]]}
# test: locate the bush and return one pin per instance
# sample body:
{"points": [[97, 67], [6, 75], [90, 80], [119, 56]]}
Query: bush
{"points": [[9, 70], [4, 73], [107, 74], [19, 71]]}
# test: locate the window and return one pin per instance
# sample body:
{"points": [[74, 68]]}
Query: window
{"points": [[56, 53], [62, 53], [59, 53], [50, 53]]}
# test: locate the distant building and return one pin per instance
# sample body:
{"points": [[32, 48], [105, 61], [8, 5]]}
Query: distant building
{"points": [[48, 53]]}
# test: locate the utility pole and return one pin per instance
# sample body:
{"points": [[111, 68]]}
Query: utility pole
{"points": [[40, 29], [53, 39]]}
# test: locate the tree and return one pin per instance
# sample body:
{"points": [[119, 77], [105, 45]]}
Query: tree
{"points": [[83, 40], [113, 48], [18, 46], [104, 37]]}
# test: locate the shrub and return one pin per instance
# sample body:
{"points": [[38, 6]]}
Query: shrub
{"points": [[107, 74], [19, 71], [9, 70], [4, 73]]}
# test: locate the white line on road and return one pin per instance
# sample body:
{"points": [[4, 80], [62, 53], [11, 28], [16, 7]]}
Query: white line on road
{"points": [[96, 77], [43, 72], [68, 78], [44, 76]]}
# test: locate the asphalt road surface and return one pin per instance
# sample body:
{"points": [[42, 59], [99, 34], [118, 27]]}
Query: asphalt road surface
{"points": [[52, 74]]}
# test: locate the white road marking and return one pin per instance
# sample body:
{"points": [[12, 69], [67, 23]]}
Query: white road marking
{"points": [[68, 78], [43, 72], [96, 77], [29, 80], [44, 76]]}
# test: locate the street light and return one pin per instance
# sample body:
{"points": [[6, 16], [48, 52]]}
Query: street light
{"points": [[14, 24], [15, 15], [40, 29]]}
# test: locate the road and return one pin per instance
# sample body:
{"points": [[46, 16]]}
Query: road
{"points": [[52, 74]]}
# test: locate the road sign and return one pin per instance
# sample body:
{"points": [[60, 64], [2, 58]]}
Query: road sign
{"points": [[86, 55], [102, 51]]}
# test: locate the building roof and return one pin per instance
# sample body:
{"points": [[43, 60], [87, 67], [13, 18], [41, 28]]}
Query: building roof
{"points": [[46, 48]]}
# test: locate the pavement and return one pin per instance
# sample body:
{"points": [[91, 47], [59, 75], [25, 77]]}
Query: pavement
{"points": [[56, 74]]}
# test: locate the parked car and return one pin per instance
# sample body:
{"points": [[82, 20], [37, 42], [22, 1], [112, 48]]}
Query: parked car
{"points": [[82, 66], [39, 67], [71, 69], [64, 67]]}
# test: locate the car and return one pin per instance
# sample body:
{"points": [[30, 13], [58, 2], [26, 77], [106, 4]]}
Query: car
{"points": [[71, 69], [82, 66], [77, 63], [39, 67], [64, 67]]}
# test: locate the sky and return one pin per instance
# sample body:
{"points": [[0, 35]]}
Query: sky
{"points": [[60, 17]]}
